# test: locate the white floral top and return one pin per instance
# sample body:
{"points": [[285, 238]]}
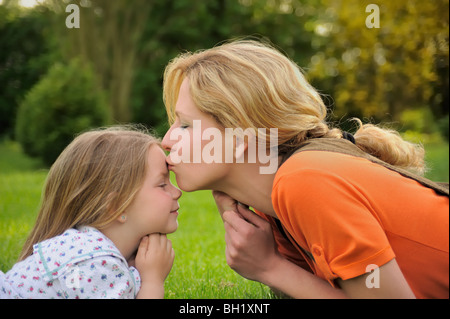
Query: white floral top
{"points": [[78, 264]]}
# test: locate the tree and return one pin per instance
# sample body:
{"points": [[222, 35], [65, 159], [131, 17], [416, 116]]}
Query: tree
{"points": [[24, 57], [108, 38], [379, 72]]}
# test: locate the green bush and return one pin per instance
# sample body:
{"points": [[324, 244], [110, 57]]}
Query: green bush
{"points": [[63, 103]]}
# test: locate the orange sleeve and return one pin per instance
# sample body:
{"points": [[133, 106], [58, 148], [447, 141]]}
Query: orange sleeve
{"points": [[333, 219]]}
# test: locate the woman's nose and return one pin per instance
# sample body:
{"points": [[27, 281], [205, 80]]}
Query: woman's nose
{"points": [[166, 143]]}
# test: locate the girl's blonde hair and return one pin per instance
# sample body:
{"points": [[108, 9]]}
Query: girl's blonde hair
{"points": [[249, 84], [92, 182]]}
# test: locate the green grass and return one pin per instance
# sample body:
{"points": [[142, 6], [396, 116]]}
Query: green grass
{"points": [[200, 270]]}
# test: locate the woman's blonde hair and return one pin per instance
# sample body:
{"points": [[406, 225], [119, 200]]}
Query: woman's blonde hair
{"points": [[92, 182], [249, 84]]}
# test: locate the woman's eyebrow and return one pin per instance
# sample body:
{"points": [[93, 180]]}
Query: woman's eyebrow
{"points": [[181, 115]]}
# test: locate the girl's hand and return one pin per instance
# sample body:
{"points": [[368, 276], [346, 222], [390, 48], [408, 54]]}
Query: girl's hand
{"points": [[154, 261]]}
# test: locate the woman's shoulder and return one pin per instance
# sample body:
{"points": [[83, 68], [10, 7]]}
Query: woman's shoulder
{"points": [[325, 163]]}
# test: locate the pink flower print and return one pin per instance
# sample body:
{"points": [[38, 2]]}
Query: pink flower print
{"points": [[103, 262], [35, 277]]}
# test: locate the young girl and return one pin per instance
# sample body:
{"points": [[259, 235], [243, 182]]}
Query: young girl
{"points": [[107, 196], [335, 217]]}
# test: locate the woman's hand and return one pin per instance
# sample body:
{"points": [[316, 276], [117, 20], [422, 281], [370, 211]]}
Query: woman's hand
{"points": [[154, 261], [250, 245]]}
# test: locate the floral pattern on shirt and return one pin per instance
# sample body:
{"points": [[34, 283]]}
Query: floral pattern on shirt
{"points": [[78, 264]]}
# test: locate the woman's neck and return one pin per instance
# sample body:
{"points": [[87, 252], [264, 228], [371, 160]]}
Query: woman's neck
{"points": [[248, 186]]}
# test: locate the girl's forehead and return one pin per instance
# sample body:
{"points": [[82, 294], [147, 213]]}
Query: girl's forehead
{"points": [[157, 161]]}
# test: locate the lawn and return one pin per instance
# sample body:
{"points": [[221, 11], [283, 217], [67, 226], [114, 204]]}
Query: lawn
{"points": [[200, 269]]}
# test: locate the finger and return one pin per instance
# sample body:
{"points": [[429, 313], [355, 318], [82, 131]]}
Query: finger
{"points": [[251, 216], [154, 240], [235, 220], [230, 231], [224, 202], [143, 246]]}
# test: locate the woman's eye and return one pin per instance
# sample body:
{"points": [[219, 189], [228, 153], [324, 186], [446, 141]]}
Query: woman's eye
{"points": [[162, 185], [184, 126]]}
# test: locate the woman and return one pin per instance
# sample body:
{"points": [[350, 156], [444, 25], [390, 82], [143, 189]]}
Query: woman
{"points": [[335, 217]]}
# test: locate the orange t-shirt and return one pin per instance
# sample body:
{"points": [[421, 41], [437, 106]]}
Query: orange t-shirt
{"points": [[347, 213]]}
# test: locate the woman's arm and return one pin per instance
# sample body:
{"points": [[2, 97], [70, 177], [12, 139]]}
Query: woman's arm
{"points": [[251, 252], [385, 282]]}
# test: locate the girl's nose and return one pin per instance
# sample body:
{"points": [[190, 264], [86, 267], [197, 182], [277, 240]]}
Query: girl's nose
{"points": [[176, 193]]}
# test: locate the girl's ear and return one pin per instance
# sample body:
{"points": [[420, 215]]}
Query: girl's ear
{"points": [[122, 218]]}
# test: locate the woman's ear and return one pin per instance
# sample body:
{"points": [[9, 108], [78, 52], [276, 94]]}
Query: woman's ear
{"points": [[239, 149]]}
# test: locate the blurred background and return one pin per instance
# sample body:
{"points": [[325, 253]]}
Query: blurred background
{"points": [[56, 81]]}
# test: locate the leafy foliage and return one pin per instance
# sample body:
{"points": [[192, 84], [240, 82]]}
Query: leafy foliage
{"points": [[373, 74], [380, 72], [23, 59], [63, 103]]}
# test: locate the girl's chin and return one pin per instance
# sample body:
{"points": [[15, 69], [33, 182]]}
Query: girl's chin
{"points": [[173, 228]]}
